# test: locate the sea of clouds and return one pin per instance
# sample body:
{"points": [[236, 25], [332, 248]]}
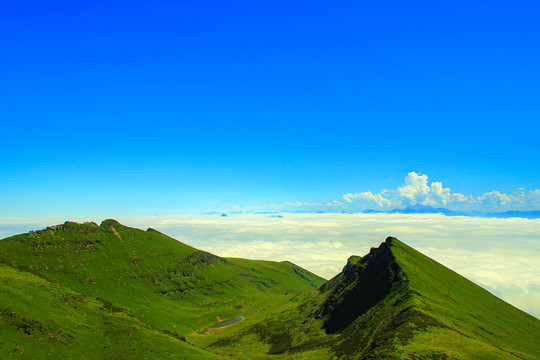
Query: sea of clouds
{"points": [[501, 255]]}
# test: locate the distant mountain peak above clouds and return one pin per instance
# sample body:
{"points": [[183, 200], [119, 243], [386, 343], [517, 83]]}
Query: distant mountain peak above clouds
{"points": [[416, 209], [426, 209], [422, 209]]}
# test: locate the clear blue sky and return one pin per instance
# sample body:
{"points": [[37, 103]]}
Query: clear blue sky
{"points": [[138, 107]]}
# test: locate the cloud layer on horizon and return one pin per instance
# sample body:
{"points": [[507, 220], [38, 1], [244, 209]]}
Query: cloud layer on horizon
{"points": [[502, 255], [417, 191]]}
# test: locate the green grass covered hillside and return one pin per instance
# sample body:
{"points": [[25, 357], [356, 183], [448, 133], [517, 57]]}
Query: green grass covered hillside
{"points": [[109, 291], [141, 275]]}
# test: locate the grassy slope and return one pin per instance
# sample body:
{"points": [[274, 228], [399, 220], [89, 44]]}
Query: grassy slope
{"points": [[40, 319], [284, 275], [108, 287], [289, 333], [412, 307], [474, 321], [393, 303], [162, 282]]}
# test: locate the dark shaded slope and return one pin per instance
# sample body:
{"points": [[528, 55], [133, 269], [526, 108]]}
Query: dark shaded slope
{"points": [[361, 286], [397, 303], [333, 282]]}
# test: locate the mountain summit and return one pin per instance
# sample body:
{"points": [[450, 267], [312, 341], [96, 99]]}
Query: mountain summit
{"points": [[111, 291], [396, 301]]}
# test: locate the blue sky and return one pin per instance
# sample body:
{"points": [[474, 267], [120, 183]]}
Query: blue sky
{"points": [[175, 107]]}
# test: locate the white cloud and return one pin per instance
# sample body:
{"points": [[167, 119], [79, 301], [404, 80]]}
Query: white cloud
{"points": [[502, 255], [509, 274], [534, 197], [496, 197], [416, 190], [444, 196], [379, 199]]}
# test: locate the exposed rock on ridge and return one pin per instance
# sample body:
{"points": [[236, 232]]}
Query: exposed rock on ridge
{"points": [[362, 286]]}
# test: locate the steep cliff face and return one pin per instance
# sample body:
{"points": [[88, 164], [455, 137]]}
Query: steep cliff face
{"points": [[361, 285], [397, 303]]}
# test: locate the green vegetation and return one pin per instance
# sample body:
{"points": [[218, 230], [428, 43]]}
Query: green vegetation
{"points": [[397, 303], [134, 285], [113, 292], [40, 319], [471, 319]]}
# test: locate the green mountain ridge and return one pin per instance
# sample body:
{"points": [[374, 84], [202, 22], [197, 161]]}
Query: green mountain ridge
{"points": [[422, 310], [112, 292]]}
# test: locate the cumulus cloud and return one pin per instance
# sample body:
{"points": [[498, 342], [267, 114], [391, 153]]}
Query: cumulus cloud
{"points": [[379, 199], [416, 190], [496, 197], [519, 198], [444, 196]]}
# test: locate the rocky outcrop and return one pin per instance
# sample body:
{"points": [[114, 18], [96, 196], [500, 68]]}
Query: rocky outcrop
{"points": [[361, 286], [109, 223]]}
